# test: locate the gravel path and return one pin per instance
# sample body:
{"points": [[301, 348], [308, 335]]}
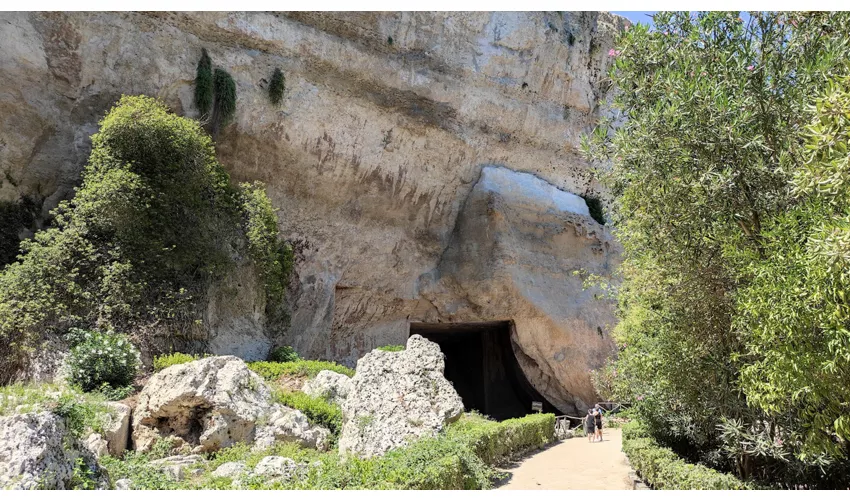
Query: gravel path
{"points": [[573, 464]]}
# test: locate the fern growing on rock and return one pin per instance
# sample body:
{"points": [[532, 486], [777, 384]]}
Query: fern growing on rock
{"points": [[277, 86], [204, 84]]}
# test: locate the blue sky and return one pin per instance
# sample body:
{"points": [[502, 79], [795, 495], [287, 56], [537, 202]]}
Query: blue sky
{"points": [[637, 16]]}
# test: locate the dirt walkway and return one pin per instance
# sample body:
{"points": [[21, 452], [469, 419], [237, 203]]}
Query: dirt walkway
{"points": [[573, 464]]}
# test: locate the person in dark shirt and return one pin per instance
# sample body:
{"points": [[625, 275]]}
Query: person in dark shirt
{"points": [[597, 411], [590, 425]]}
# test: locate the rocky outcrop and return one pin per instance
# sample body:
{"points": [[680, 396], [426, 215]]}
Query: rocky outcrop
{"points": [[32, 455], [116, 429], [208, 404], [373, 159], [331, 386], [396, 397], [214, 403]]}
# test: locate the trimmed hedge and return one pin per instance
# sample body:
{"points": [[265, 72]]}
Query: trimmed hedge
{"points": [[496, 442], [662, 468], [271, 370]]}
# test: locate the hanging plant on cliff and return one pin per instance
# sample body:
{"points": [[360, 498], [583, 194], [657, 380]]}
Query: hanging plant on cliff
{"points": [[204, 85], [277, 86], [224, 107]]}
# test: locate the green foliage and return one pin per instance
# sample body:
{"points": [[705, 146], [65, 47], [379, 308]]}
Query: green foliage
{"points": [[710, 112], [594, 205], [154, 223], [284, 354], [664, 470], [317, 410], [495, 442], [224, 106], [135, 467], [273, 257], [277, 86], [391, 348], [97, 359], [204, 84], [270, 370], [82, 476], [176, 358], [795, 310]]}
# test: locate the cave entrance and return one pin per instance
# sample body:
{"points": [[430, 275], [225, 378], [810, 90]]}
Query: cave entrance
{"points": [[481, 364]]}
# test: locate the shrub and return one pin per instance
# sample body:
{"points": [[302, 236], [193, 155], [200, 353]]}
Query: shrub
{"points": [[277, 86], [14, 216], [98, 358], [118, 258], [391, 348], [496, 442], [224, 106], [270, 370], [316, 409], [176, 358], [662, 469], [204, 84], [284, 354]]}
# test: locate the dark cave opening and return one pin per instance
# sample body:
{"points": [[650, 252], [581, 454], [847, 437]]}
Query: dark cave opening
{"points": [[481, 365]]}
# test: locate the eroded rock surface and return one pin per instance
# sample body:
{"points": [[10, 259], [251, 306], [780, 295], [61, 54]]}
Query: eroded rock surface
{"points": [[32, 455], [291, 426], [397, 397], [330, 385], [117, 428], [373, 160], [210, 403]]}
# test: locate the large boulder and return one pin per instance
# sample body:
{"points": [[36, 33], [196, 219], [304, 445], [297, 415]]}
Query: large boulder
{"points": [[209, 404], [32, 455], [329, 385], [396, 397]]}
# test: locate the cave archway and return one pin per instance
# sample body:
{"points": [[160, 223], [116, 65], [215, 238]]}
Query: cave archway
{"points": [[481, 364]]}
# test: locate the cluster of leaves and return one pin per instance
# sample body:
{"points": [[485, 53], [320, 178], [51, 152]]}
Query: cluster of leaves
{"points": [[729, 303], [270, 370], [101, 358], [154, 223], [163, 361], [284, 354], [277, 86], [663, 469], [224, 105], [317, 410], [391, 348]]}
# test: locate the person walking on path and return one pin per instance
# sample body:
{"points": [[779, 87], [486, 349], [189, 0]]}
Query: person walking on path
{"points": [[590, 424], [598, 415]]}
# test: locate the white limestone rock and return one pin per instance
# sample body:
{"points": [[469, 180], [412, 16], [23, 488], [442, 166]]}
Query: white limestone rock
{"points": [[117, 428], [32, 455], [230, 469], [211, 403], [291, 426], [396, 397], [330, 385]]}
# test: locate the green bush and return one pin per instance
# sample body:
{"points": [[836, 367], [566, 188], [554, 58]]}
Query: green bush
{"points": [[495, 442], [270, 370], [316, 409], [391, 348], [204, 84], [284, 354], [176, 358], [662, 469], [117, 257], [277, 86], [98, 358]]}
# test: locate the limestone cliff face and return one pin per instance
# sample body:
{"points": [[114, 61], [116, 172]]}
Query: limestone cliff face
{"points": [[376, 158]]}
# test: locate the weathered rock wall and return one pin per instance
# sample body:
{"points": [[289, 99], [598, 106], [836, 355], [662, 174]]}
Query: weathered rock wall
{"points": [[387, 122]]}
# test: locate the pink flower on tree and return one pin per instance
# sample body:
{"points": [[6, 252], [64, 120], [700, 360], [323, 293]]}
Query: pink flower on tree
{"points": [[640, 398], [750, 67], [613, 53]]}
